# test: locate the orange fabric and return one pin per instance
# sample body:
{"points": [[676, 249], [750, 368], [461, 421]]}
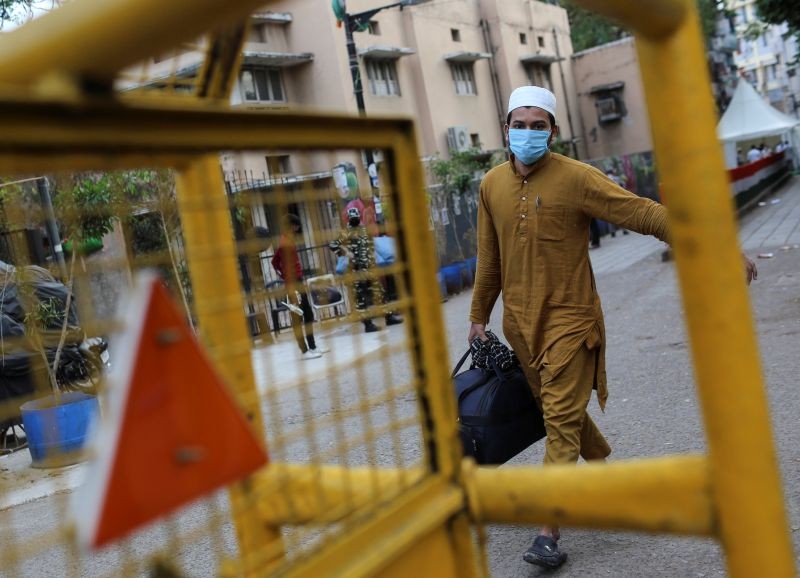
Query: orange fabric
{"points": [[533, 246]]}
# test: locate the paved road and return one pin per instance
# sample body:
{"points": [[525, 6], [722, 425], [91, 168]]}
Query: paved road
{"points": [[652, 411]]}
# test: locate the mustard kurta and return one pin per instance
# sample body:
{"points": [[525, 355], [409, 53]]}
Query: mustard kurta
{"points": [[533, 246]]}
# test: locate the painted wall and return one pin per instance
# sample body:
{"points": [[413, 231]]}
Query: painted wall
{"points": [[607, 64]]}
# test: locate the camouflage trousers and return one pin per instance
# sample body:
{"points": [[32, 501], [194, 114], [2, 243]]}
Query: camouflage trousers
{"points": [[369, 293]]}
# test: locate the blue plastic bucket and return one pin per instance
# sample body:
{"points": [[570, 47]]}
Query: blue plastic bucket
{"points": [[442, 284], [473, 265], [452, 279], [466, 273], [56, 431]]}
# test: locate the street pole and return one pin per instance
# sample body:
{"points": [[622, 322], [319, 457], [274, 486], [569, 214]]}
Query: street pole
{"points": [[351, 22], [43, 187], [566, 95], [358, 90]]}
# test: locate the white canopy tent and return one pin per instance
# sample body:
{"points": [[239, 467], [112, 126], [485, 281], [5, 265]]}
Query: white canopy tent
{"points": [[749, 117]]}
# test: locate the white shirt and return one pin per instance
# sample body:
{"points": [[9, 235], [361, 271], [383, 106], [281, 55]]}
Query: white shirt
{"points": [[753, 155]]}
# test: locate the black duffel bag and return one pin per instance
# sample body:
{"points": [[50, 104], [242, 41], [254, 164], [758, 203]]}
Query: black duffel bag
{"points": [[497, 415]]}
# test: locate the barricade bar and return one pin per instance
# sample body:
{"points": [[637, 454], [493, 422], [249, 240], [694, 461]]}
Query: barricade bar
{"points": [[669, 495], [68, 41], [650, 18], [724, 349]]}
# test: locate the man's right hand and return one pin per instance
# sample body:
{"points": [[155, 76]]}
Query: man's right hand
{"points": [[477, 330]]}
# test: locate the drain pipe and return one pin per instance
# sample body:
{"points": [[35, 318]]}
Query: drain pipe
{"points": [[566, 96], [498, 100]]}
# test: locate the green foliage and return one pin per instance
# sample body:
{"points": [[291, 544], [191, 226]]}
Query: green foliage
{"points": [[778, 12], [20, 11], [86, 207], [147, 234], [562, 147], [44, 315], [457, 173], [588, 30]]}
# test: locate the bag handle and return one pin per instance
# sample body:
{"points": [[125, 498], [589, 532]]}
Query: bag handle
{"points": [[460, 363], [491, 359]]}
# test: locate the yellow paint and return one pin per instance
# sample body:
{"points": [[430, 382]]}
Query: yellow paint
{"points": [[68, 41], [219, 308], [744, 475], [416, 521], [671, 495]]}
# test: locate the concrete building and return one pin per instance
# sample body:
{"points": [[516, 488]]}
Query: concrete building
{"points": [[448, 64], [611, 101], [767, 62], [721, 62]]}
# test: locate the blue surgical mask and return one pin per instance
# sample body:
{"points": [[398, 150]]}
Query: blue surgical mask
{"points": [[528, 145]]}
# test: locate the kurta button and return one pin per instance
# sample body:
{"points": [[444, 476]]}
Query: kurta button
{"points": [[525, 181], [523, 215], [524, 198]]}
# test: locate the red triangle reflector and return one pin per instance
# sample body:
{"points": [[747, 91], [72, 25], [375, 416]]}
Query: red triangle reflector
{"points": [[171, 433]]}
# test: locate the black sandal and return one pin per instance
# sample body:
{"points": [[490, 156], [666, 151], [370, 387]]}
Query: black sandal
{"points": [[544, 552]]}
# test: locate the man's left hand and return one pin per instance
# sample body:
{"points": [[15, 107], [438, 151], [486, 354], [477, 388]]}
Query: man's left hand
{"points": [[750, 271]]}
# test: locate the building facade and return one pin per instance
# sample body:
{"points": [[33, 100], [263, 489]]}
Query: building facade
{"points": [[612, 106], [448, 64], [766, 57]]}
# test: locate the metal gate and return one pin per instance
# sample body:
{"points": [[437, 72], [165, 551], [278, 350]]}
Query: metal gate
{"points": [[366, 476]]}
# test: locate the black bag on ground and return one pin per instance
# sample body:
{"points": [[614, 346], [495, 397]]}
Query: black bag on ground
{"points": [[497, 415]]}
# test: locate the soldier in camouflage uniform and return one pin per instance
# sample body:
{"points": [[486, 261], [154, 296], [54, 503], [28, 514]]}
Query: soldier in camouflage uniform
{"points": [[358, 244]]}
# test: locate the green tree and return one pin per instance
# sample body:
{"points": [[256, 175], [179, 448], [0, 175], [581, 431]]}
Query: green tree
{"points": [[588, 29], [456, 178], [154, 224], [20, 11]]}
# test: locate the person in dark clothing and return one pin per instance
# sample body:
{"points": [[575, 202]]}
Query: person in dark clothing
{"points": [[286, 263], [594, 233], [355, 240]]}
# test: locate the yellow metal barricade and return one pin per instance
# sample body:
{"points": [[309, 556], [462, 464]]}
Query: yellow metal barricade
{"points": [[366, 476]]}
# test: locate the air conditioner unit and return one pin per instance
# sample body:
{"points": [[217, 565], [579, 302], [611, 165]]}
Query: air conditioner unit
{"points": [[458, 138]]}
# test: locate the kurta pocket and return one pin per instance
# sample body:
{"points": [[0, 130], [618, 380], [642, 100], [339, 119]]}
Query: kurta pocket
{"points": [[551, 224]]}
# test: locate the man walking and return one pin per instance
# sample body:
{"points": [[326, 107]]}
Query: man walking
{"points": [[286, 263], [533, 219]]}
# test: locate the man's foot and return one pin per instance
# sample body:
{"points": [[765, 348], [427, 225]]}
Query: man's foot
{"points": [[393, 319], [310, 354], [370, 327], [544, 552], [593, 246], [320, 348]]}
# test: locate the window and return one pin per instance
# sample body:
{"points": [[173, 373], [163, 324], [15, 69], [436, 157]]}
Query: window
{"points": [[278, 165], [539, 75], [261, 85], [742, 16], [540, 39], [476, 140], [455, 34], [374, 28], [610, 108], [772, 71], [382, 76], [523, 38], [464, 78]]}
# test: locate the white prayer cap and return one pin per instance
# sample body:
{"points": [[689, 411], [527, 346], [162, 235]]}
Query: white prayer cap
{"points": [[532, 96]]}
